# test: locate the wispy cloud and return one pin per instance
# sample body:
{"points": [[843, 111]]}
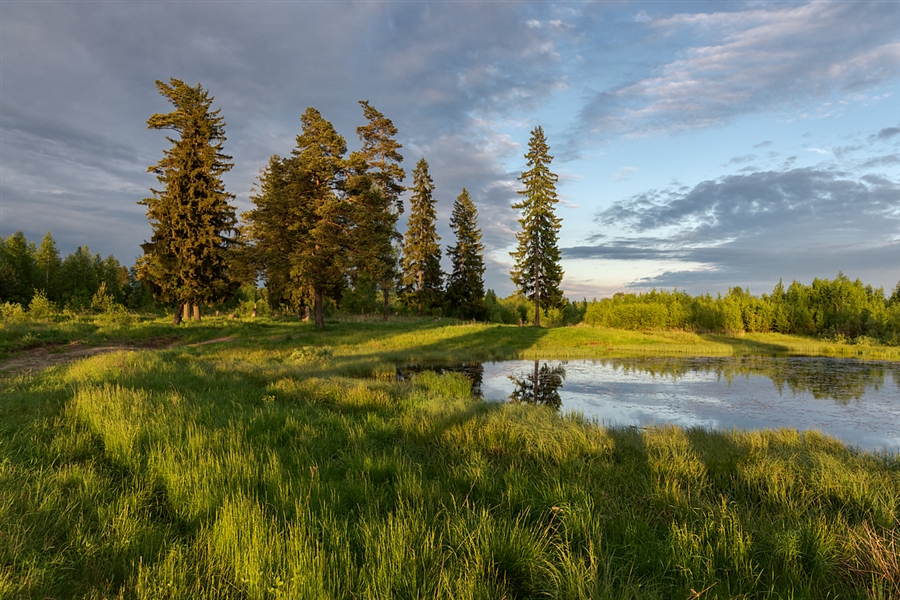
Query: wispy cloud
{"points": [[751, 228], [759, 59]]}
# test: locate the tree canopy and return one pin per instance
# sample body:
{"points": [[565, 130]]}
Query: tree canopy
{"points": [[465, 284], [537, 272], [381, 152], [421, 263], [186, 259]]}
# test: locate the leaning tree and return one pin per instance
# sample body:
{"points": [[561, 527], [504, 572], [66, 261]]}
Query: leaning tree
{"points": [[186, 259]]}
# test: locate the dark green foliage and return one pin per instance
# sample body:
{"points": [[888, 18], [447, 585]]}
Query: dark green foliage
{"points": [[80, 276], [465, 285], [186, 259], [71, 282], [840, 308], [537, 272], [381, 153], [48, 263], [18, 269], [421, 264], [303, 223]]}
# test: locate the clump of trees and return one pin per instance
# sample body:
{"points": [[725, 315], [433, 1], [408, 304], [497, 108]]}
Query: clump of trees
{"points": [[80, 281], [838, 308], [323, 230]]}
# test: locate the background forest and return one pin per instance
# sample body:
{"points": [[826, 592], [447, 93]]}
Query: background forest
{"points": [[35, 282]]}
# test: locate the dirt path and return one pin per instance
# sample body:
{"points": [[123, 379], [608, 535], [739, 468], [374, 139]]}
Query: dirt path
{"points": [[45, 357], [50, 356]]}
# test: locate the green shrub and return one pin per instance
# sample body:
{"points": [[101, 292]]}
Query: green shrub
{"points": [[12, 312], [40, 307]]}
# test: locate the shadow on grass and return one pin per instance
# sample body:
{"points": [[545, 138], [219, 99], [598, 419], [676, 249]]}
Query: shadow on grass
{"points": [[740, 345]]}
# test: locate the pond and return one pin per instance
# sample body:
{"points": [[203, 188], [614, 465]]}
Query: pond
{"points": [[857, 402]]}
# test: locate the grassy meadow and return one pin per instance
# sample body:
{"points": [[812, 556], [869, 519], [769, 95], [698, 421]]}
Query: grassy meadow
{"points": [[285, 462]]}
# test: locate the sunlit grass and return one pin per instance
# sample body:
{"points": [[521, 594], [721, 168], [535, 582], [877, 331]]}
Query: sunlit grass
{"points": [[267, 467]]}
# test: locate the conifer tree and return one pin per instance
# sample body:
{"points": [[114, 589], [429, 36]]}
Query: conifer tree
{"points": [[18, 270], [186, 259], [318, 168], [465, 285], [302, 225], [381, 153], [48, 263], [537, 272], [421, 264]]}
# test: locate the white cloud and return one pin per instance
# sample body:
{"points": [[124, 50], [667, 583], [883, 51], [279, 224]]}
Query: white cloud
{"points": [[761, 59], [625, 173]]}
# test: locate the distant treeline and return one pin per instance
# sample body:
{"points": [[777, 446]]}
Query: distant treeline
{"points": [[838, 308], [28, 271]]}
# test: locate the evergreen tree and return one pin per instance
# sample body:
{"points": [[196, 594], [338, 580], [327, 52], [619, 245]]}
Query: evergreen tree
{"points": [[537, 272], [421, 265], [79, 277], [381, 152], [18, 270], [302, 224], [186, 260], [465, 285], [274, 230], [48, 262], [319, 169]]}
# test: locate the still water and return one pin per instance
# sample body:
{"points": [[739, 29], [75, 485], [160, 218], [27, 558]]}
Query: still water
{"points": [[857, 402]]}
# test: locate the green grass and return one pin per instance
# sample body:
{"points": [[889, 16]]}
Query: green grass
{"points": [[267, 467]]}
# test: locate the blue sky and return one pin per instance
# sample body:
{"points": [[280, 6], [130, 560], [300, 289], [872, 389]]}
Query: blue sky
{"points": [[700, 145]]}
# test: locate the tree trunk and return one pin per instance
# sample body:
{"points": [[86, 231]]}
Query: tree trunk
{"points": [[176, 320], [537, 290], [196, 312], [320, 309], [387, 301], [186, 314]]}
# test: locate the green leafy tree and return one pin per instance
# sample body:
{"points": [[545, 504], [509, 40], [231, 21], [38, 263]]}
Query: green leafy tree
{"points": [[382, 155], [421, 264], [465, 285], [186, 259], [18, 269], [48, 262], [537, 272], [79, 277]]}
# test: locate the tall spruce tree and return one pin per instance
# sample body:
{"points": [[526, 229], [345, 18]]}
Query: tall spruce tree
{"points": [[381, 153], [186, 259], [275, 228], [318, 162], [537, 272], [465, 284], [302, 226], [421, 263]]}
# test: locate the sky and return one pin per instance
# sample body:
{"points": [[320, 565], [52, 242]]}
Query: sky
{"points": [[699, 145]]}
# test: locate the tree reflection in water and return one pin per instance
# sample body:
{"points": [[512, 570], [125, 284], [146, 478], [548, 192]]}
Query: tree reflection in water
{"points": [[540, 387]]}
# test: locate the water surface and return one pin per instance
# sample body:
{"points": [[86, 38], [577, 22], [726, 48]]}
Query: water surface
{"points": [[855, 401]]}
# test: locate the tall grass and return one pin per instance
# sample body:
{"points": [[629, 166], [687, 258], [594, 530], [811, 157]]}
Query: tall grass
{"points": [[254, 470]]}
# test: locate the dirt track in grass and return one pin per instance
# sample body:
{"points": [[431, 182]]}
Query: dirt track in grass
{"points": [[51, 355]]}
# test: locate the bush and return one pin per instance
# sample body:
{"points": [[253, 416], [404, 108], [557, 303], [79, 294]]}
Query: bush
{"points": [[12, 312], [40, 307]]}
